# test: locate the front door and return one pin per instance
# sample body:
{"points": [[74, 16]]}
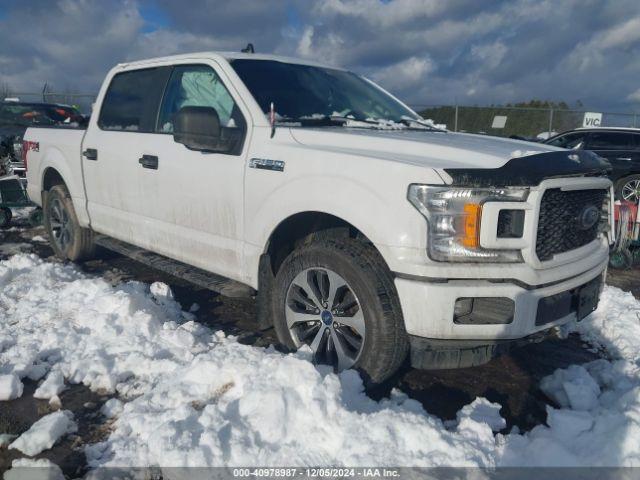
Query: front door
{"points": [[195, 213]]}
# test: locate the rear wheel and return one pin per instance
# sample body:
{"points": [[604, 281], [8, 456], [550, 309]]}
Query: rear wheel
{"points": [[67, 238], [338, 298], [628, 188]]}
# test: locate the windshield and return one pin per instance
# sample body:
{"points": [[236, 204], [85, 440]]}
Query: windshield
{"points": [[28, 114], [307, 92]]}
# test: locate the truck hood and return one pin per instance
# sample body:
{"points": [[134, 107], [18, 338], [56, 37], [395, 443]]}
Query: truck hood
{"points": [[433, 149]]}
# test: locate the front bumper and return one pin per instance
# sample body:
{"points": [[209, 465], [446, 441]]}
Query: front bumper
{"points": [[428, 306]]}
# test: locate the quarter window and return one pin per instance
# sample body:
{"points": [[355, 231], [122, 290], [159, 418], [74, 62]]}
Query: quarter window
{"points": [[131, 102]]}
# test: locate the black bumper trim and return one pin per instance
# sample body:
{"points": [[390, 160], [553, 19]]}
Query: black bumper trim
{"points": [[436, 354]]}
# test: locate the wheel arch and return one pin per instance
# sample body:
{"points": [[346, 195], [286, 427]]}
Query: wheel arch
{"points": [[304, 227], [55, 169], [51, 177]]}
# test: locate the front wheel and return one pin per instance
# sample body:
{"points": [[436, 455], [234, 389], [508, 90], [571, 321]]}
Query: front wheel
{"points": [[67, 238], [338, 298]]}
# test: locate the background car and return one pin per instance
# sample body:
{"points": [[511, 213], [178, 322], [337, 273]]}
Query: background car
{"points": [[621, 146], [16, 116]]}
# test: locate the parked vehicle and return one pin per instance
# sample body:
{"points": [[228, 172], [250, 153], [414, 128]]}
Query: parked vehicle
{"points": [[16, 116], [621, 146], [13, 195], [367, 232]]}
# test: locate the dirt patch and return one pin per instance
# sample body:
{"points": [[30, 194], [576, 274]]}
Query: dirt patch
{"points": [[627, 279], [16, 416]]}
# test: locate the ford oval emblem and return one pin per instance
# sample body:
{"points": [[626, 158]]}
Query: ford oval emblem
{"points": [[588, 217]]}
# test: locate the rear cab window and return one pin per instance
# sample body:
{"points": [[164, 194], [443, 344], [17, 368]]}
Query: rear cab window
{"points": [[132, 100]]}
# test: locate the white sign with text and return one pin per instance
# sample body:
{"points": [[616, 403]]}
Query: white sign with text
{"points": [[592, 119]]}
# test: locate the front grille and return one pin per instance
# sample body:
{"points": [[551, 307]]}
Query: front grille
{"points": [[561, 225]]}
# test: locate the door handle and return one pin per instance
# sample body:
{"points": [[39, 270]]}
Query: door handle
{"points": [[626, 159], [90, 154], [149, 161]]}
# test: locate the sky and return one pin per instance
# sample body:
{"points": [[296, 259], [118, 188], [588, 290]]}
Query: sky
{"points": [[427, 52]]}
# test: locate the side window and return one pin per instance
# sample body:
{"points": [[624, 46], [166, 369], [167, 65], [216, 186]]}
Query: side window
{"points": [[570, 140], [610, 141], [197, 86], [131, 102]]}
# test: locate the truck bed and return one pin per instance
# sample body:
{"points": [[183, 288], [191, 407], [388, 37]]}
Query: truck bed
{"points": [[63, 145]]}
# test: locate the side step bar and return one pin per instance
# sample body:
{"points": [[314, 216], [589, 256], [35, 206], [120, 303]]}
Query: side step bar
{"points": [[197, 276]]}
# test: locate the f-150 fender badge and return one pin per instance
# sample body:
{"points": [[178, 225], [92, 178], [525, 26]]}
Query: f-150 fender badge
{"points": [[266, 164]]}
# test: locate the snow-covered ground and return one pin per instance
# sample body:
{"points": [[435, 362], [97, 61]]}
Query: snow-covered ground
{"points": [[188, 396]]}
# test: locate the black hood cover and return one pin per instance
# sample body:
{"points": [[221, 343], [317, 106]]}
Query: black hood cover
{"points": [[530, 170]]}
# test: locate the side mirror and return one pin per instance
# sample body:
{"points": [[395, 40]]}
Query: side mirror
{"points": [[198, 128]]}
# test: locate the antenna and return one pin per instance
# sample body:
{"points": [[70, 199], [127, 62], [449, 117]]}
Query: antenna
{"points": [[248, 49], [272, 119]]}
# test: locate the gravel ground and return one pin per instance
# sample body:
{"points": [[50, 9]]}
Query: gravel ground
{"points": [[511, 379]]}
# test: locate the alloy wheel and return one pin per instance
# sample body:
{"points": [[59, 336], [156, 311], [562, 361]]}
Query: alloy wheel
{"points": [[322, 311], [61, 226], [631, 191]]}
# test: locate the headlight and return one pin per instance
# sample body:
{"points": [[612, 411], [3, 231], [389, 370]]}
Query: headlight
{"points": [[453, 218]]}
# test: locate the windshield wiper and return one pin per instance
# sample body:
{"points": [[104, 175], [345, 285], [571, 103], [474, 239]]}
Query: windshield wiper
{"points": [[320, 120], [423, 124], [308, 121]]}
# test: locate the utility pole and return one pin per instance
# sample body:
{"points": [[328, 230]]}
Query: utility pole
{"points": [[455, 121]]}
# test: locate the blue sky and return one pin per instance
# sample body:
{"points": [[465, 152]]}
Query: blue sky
{"points": [[425, 51]]}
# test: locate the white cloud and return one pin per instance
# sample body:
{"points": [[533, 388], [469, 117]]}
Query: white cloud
{"points": [[635, 96], [489, 55], [405, 74], [426, 51]]}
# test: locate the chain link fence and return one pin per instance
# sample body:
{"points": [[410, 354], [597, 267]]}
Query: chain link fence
{"points": [[82, 101], [518, 121], [525, 122]]}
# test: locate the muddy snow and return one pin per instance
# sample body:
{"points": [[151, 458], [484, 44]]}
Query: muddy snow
{"points": [[185, 395]]}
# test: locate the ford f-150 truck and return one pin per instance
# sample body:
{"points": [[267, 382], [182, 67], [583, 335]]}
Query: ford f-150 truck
{"points": [[365, 232]]}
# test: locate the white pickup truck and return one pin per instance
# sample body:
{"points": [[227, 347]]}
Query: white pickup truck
{"points": [[367, 233]]}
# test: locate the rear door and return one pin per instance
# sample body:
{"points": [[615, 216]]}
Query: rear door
{"points": [[118, 198], [619, 148]]}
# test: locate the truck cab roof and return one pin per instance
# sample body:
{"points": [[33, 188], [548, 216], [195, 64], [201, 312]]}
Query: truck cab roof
{"points": [[228, 56]]}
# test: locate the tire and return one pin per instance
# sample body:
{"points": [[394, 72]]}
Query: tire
{"points": [[628, 188], [67, 238], [5, 217], [371, 334]]}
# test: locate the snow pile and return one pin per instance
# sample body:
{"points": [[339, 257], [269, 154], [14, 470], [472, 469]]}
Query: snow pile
{"points": [[51, 387], [38, 469], [598, 422], [10, 386], [192, 397], [45, 433], [200, 398], [615, 326]]}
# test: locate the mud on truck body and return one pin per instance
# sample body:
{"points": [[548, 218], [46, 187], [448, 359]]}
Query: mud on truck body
{"points": [[366, 233]]}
